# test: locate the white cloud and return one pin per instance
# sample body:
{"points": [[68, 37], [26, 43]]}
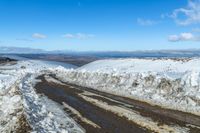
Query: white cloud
{"points": [[188, 15], [173, 38], [183, 37], [84, 36], [186, 36], [68, 36], [146, 22], [39, 36], [78, 36], [196, 30]]}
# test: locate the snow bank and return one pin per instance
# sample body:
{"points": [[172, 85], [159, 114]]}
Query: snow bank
{"points": [[11, 109], [43, 114], [18, 97], [170, 83]]}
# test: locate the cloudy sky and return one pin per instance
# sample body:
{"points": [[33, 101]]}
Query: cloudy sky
{"points": [[100, 24]]}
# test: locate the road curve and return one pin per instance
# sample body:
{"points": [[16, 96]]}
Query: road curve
{"points": [[101, 112]]}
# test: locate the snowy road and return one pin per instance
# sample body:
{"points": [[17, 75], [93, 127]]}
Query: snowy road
{"points": [[66, 107], [22, 110], [101, 112]]}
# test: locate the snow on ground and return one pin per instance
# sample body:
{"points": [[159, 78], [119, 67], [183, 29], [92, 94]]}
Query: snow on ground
{"points": [[10, 110], [10, 100], [18, 97], [170, 83], [43, 114], [173, 84]]}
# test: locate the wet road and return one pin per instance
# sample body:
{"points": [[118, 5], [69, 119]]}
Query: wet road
{"points": [[99, 112]]}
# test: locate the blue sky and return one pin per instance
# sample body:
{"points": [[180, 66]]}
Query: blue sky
{"points": [[99, 25]]}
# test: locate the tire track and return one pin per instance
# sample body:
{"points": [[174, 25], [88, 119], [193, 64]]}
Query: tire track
{"points": [[110, 112]]}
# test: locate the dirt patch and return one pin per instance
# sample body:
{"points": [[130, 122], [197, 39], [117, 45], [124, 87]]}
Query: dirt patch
{"points": [[24, 127]]}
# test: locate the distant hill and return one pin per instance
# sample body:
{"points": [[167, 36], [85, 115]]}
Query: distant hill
{"points": [[106, 54], [19, 50]]}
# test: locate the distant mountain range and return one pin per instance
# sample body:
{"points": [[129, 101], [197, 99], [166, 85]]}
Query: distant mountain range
{"points": [[19, 50], [114, 54]]}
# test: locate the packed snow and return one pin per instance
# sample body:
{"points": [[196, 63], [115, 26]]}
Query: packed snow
{"points": [[170, 83]]}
